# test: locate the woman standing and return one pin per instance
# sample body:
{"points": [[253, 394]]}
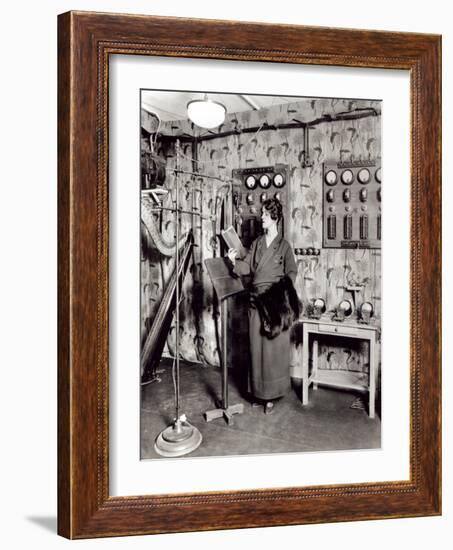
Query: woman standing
{"points": [[269, 259]]}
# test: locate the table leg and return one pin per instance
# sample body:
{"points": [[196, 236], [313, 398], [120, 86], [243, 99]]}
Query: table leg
{"points": [[314, 359], [372, 375], [305, 355]]}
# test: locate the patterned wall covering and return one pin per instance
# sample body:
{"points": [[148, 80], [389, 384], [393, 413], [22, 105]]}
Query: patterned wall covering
{"points": [[323, 276]]}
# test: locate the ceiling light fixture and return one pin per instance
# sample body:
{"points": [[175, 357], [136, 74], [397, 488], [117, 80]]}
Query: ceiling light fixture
{"points": [[206, 113]]}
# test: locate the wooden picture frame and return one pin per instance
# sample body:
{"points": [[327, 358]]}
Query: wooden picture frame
{"points": [[85, 508]]}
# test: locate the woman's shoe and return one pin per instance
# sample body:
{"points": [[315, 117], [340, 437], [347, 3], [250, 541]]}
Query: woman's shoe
{"points": [[268, 407]]}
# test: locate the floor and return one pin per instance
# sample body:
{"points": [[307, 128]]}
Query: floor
{"points": [[327, 423]]}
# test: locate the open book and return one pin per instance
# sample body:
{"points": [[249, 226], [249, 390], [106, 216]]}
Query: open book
{"points": [[233, 241]]}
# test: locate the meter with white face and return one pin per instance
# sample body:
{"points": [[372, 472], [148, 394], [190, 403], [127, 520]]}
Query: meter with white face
{"points": [[279, 180], [377, 175], [250, 182], [265, 181], [364, 176], [347, 177], [331, 177]]}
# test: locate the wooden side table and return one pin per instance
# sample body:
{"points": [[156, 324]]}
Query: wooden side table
{"points": [[340, 379]]}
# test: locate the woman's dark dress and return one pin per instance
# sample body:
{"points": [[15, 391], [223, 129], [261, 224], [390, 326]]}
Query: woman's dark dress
{"points": [[269, 374]]}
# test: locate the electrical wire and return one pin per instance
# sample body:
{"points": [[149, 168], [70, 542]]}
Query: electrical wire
{"points": [[191, 159], [344, 115], [223, 158]]}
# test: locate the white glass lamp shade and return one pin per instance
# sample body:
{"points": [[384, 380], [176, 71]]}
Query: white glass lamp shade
{"points": [[206, 113]]}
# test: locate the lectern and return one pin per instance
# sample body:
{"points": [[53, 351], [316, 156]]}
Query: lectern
{"points": [[225, 285]]}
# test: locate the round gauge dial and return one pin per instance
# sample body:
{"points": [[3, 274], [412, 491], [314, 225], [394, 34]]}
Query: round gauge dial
{"points": [[347, 177], [265, 181], [377, 175], [331, 177], [250, 182], [279, 180], [364, 176]]}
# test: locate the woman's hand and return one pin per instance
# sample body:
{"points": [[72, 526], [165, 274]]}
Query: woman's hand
{"points": [[232, 254]]}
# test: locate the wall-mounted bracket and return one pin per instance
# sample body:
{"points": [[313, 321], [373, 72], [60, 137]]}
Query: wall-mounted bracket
{"points": [[307, 162]]}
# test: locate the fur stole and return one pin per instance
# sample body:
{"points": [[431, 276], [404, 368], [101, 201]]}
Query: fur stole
{"points": [[278, 307]]}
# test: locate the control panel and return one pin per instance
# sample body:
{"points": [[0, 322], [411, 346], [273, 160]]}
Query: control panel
{"points": [[251, 187], [352, 205]]}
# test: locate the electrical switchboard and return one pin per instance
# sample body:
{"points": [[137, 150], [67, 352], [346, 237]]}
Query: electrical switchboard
{"points": [[251, 187], [352, 205]]}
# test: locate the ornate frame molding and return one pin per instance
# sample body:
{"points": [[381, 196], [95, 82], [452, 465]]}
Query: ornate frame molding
{"points": [[86, 40]]}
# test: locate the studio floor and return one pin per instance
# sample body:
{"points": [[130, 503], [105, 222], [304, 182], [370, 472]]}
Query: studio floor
{"points": [[327, 423]]}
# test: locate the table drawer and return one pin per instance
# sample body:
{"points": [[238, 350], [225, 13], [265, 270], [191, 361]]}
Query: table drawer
{"points": [[339, 329]]}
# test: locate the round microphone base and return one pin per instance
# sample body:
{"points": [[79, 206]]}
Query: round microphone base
{"points": [[181, 438]]}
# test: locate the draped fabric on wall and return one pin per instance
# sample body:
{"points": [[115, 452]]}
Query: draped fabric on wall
{"points": [[324, 276]]}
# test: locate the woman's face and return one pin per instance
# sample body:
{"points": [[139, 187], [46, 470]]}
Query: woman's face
{"points": [[266, 219]]}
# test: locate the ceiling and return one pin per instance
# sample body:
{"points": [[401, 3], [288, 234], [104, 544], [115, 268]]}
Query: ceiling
{"points": [[171, 106]]}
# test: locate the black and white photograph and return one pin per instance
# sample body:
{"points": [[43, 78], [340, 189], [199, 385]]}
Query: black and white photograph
{"points": [[217, 333], [260, 274]]}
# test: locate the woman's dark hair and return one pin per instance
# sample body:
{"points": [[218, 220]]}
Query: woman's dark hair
{"points": [[274, 207]]}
